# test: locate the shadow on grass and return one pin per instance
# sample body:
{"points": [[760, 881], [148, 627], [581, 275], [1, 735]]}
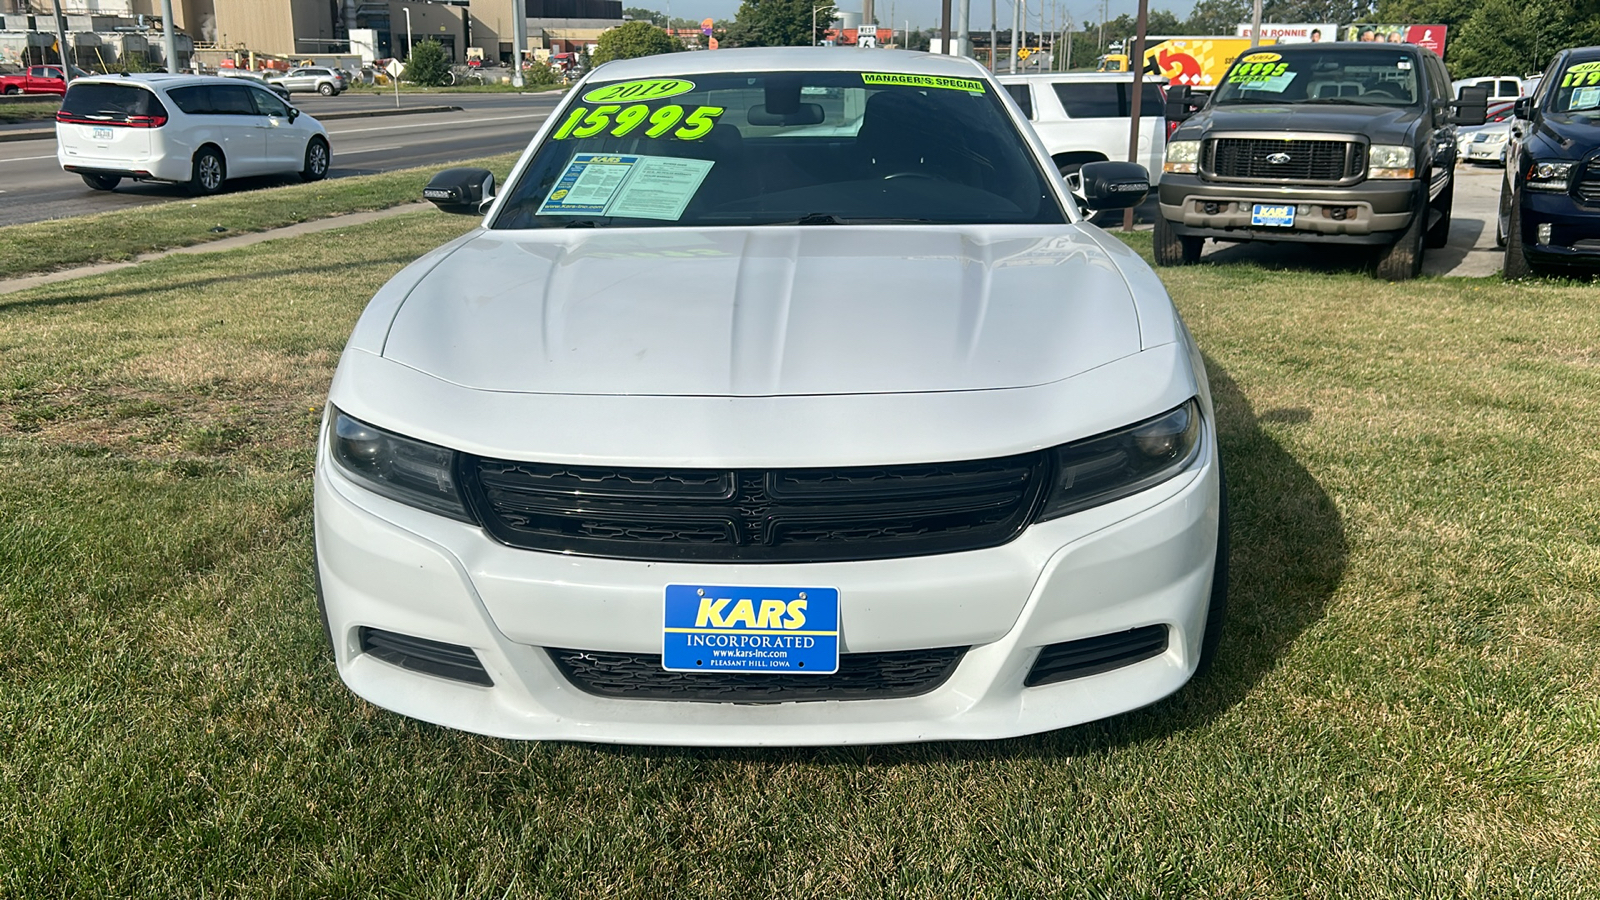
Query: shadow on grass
{"points": [[1287, 557]]}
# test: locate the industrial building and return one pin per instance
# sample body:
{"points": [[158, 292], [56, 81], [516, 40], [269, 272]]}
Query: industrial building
{"points": [[291, 28]]}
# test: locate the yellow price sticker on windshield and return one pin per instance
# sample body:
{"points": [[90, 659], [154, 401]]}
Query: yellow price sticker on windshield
{"points": [[1249, 72], [1261, 58], [970, 85], [1582, 74], [636, 91], [621, 121]]}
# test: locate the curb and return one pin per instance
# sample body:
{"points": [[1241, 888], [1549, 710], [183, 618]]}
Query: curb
{"points": [[43, 134]]}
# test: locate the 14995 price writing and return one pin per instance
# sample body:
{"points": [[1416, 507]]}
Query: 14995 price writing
{"points": [[621, 121]]}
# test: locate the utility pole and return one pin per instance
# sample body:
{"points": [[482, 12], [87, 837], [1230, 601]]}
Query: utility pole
{"points": [[963, 32], [1255, 24], [169, 43], [1136, 63], [994, 36], [61, 37], [519, 39], [944, 29], [1016, 18]]}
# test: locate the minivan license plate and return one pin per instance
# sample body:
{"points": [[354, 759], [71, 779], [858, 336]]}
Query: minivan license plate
{"points": [[1275, 216], [710, 628], [102, 134]]}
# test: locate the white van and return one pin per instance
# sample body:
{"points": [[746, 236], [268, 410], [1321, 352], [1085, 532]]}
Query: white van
{"points": [[1085, 117], [1501, 87], [197, 130]]}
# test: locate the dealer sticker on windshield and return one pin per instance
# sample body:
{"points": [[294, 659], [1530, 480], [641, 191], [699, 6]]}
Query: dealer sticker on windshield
{"points": [[709, 628], [628, 185]]}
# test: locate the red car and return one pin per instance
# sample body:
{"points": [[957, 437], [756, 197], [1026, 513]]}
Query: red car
{"points": [[35, 80]]}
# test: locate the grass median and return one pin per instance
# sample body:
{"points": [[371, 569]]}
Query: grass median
{"points": [[122, 234], [1405, 703], [29, 111]]}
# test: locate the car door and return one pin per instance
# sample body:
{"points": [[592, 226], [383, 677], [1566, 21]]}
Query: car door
{"points": [[244, 129], [1444, 131], [285, 141], [300, 80]]}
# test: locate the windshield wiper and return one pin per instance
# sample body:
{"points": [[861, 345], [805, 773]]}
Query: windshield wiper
{"points": [[1350, 100], [815, 219], [582, 223]]}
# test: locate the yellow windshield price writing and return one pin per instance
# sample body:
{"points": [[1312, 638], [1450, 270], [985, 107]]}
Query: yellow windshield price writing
{"points": [[1261, 58], [928, 81], [621, 121], [1257, 71], [1582, 74], [635, 91]]}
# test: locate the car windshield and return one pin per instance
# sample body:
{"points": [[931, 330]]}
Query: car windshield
{"points": [[800, 148], [1330, 76], [1578, 90]]}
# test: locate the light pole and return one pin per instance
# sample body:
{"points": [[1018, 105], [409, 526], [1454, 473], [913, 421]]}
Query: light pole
{"points": [[814, 9], [408, 32]]}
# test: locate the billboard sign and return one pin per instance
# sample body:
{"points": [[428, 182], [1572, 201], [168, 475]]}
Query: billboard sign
{"points": [[1430, 36], [1295, 33]]}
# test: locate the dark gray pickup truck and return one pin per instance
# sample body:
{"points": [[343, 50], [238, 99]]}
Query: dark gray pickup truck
{"points": [[1344, 143]]}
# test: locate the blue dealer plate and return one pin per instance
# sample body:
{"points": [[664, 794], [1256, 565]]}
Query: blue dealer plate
{"points": [[1276, 216], [708, 628]]}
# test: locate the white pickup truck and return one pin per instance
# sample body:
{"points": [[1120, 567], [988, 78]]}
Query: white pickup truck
{"points": [[1084, 117]]}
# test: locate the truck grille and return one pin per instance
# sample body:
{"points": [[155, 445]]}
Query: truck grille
{"points": [[1588, 187], [1308, 161], [760, 515], [861, 676]]}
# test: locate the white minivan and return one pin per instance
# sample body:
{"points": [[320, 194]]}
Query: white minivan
{"points": [[1085, 117], [197, 130]]}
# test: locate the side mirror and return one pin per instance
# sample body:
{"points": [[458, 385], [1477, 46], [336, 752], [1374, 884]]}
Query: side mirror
{"points": [[293, 114], [1113, 185], [1472, 108], [1179, 106], [1523, 108], [460, 190]]}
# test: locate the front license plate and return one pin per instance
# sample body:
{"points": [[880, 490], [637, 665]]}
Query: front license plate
{"points": [[1275, 216], [710, 628], [102, 134]]}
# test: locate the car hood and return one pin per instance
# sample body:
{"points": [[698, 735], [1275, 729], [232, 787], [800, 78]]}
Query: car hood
{"points": [[1383, 125], [1574, 134], [767, 311]]}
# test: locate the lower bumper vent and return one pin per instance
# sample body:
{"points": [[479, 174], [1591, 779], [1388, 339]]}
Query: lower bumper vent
{"points": [[861, 676], [421, 655], [1091, 656]]}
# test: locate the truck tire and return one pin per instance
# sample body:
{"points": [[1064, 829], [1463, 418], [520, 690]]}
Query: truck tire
{"points": [[1173, 249], [1500, 218], [13, 89], [1439, 234], [1402, 260], [1516, 265]]}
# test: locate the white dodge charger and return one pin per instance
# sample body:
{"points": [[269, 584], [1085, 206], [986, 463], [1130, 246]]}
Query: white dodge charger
{"points": [[782, 397]]}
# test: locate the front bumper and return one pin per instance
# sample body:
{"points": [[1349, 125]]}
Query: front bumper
{"points": [[1143, 560], [1484, 152], [1374, 212], [1574, 230]]}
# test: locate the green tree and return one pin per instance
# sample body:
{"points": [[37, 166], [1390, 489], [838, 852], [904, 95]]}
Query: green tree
{"points": [[633, 39], [428, 65], [1503, 37], [1217, 16], [779, 23], [640, 14]]}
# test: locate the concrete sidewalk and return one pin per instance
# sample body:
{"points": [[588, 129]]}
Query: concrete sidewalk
{"points": [[24, 282]]}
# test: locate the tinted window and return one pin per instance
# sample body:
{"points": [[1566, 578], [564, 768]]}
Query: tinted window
{"points": [[231, 100], [1105, 99], [774, 148], [193, 100], [269, 105], [1024, 97], [110, 102]]}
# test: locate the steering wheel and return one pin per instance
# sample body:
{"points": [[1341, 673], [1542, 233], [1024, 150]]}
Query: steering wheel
{"points": [[894, 175]]}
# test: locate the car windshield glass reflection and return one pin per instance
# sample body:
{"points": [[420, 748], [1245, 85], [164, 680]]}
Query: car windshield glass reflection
{"points": [[1349, 77], [1578, 91], [814, 148]]}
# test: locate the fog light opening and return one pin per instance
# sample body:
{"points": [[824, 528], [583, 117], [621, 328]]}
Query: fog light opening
{"points": [[1544, 233], [1212, 209], [1339, 213]]}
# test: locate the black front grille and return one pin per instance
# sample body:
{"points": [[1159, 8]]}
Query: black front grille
{"points": [[1091, 656], [422, 655], [1588, 188], [1308, 161], [777, 515], [861, 676]]}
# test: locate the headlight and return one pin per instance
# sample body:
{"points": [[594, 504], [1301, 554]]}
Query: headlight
{"points": [[1181, 157], [1549, 175], [414, 473], [1390, 161], [1111, 466]]}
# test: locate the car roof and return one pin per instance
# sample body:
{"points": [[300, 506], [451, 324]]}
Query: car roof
{"points": [[1075, 76], [789, 59], [1583, 54], [162, 80]]}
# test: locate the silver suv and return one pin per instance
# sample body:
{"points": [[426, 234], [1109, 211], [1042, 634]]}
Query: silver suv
{"points": [[325, 81]]}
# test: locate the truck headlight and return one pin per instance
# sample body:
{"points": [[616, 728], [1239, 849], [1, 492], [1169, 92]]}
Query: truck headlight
{"points": [[408, 471], [1111, 466], [1549, 175], [1182, 156], [1391, 161]]}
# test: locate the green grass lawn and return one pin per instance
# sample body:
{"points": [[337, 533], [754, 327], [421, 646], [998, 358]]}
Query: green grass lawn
{"points": [[125, 233], [40, 111], [1406, 705]]}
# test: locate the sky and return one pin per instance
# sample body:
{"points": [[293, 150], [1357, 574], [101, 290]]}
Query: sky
{"points": [[925, 13]]}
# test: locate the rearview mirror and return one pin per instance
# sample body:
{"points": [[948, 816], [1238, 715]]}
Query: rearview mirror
{"points": [[804, 114], [460, 191], [1179, 104], [1113, 185], [1472, 108]]}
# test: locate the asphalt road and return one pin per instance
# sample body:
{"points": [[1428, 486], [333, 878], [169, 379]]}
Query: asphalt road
{"points": [[33, 187]]}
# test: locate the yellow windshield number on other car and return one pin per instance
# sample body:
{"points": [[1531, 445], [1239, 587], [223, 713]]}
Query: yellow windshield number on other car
{"points": [[1256, 71], [1582, 74], [622, 121], [636, 91]]}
